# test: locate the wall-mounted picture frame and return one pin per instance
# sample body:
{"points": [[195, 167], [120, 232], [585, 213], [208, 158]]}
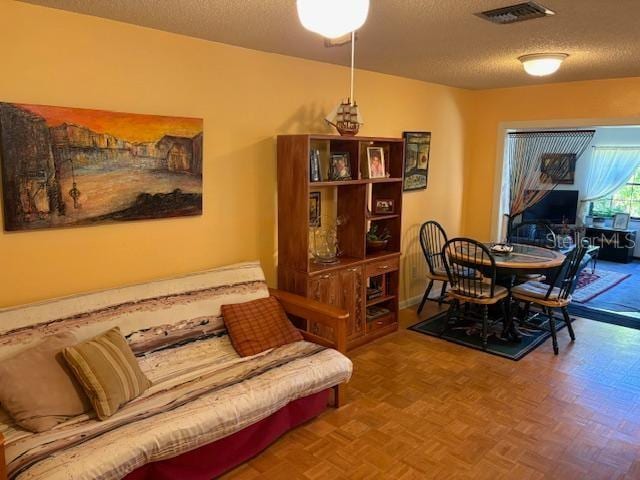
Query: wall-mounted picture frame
{"points": [[71, 167], [558, 168], [384, 206], [621, 221], [315, 209], [416, 166], [339, 166], [375, 162]]}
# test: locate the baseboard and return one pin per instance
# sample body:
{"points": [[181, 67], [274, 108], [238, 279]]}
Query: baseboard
{"points": [[410, 302]]}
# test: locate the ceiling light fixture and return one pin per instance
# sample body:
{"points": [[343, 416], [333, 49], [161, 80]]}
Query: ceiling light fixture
{"points": [[332, 18], [542, 64]]}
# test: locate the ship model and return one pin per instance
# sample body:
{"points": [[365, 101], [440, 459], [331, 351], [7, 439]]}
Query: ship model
{"points": [[345, 118]]}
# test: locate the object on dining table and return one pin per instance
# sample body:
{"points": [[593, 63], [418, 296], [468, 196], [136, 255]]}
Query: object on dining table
{"points": [[502, 249]]}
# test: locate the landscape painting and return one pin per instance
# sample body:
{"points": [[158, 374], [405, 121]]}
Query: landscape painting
{"points": [[65, 167]]}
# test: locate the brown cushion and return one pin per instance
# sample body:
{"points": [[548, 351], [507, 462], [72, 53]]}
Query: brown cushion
{"points": [[258, 325], [108, 371], [37, 388]]}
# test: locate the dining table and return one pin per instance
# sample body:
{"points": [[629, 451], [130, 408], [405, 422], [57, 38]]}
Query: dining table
{"points": [[522, 260]]}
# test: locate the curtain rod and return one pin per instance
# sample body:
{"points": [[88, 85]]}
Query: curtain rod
{"points": [[551, 131], [611, 147]]}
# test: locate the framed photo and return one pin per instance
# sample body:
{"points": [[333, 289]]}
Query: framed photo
{"points": [[558, 168], [383, 206], [416, 166], [375, 162], [621, 221], [339, 166], [315, 212]]}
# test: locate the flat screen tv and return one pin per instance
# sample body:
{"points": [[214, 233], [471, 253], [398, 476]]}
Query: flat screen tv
{"points": [[557, 206]]}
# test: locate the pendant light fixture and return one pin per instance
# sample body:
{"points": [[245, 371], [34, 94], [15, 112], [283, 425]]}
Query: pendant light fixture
{"points": [[332, 18], [542, 64]]}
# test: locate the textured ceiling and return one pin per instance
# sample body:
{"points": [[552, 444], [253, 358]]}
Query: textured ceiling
{"points": [[433, 40]]}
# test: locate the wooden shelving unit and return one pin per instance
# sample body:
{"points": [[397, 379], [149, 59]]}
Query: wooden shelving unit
{"points": [[345, 283]]}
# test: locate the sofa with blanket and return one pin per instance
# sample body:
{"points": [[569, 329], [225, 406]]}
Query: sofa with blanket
{"points": [[207, 409]]}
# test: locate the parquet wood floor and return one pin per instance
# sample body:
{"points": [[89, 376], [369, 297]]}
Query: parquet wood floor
{"points": [[420, 407]]}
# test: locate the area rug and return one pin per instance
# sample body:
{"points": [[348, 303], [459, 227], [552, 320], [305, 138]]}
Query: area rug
{"points": [[590, 285], [469, 336]]}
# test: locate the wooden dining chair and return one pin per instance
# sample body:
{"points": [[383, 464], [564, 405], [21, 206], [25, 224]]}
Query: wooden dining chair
{"points": [[556, 294], [432, 239], [464, 258]]}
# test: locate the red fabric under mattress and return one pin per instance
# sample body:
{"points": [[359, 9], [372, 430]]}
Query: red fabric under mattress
{"points": [[216, 458]]}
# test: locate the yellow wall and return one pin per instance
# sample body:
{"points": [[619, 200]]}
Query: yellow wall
{"points": [[246, 97], [601, 102]]}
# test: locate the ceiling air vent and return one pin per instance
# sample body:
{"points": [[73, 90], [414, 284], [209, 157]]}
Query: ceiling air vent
{"points": [[516, 13]]}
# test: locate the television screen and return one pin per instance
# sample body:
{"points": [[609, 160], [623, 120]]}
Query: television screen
{"points": [[557, 206]]}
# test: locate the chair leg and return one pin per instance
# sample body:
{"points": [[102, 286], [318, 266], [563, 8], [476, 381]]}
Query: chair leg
{"points": [[442, 293], [425, 296], [567, 320], [485, 325], [505, 312], [527, 309], [552, 326], [452, 307]]}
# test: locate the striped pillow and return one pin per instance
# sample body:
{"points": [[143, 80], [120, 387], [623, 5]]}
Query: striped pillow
{"points": [[108, 371]]}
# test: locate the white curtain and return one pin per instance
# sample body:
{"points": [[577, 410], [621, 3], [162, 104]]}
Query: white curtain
{"points": [[608, 169]]}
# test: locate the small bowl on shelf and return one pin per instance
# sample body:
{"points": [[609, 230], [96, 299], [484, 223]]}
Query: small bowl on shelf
{"points": [[376, 245]]}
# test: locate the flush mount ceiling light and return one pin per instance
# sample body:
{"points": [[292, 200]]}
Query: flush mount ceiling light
{"points": [[542, 64], [332, 18]]}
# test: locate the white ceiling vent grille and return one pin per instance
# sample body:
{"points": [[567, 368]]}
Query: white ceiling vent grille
{"points": [[516, 13]]}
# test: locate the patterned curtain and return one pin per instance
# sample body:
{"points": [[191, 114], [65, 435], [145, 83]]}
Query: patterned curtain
{"points": [[538, 162]]}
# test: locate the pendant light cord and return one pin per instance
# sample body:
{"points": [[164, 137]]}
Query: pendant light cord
{"points": [[353, 55]]}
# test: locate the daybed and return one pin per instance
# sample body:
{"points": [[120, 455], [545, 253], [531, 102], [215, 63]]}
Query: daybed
{"points": [[208, 409]]}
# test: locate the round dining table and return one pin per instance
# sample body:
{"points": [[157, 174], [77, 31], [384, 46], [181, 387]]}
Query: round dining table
{"points": [[523, 260], [527, 258]]}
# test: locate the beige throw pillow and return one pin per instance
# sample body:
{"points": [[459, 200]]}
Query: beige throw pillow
{"points": [[37, 388], [108, 371]]}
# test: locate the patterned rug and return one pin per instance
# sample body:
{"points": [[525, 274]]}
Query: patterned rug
{"points": [[590, 285], [469, 336]]}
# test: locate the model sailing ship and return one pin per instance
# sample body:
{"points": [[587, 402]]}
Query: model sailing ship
{"points": [[345, 118]]}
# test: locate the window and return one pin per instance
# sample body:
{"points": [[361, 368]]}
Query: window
{"points": [[624, 200]]}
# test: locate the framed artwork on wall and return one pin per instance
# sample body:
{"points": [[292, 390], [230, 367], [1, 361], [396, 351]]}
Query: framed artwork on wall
{"points": [[558, 168], [66, 167], [416, 166]]}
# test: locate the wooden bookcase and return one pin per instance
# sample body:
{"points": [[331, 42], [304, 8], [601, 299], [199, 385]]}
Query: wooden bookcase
{"points": [[345, 283]]}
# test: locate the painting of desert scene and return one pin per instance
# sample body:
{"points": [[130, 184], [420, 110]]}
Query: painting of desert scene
{"points": [[68, 166]]}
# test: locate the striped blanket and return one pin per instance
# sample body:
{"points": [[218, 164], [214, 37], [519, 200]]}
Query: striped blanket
{"points": [[202, 390]]}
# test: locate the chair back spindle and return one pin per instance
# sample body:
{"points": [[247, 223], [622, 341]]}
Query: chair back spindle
{"points": [[432, 240], [568, 272], [462, 256]]}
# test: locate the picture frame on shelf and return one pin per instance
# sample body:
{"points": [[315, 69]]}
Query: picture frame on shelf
{"points": [[384, 206], [417, 154], [315, 209], [375, 163], [621, 221], [339, 167], [558, 168]]}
